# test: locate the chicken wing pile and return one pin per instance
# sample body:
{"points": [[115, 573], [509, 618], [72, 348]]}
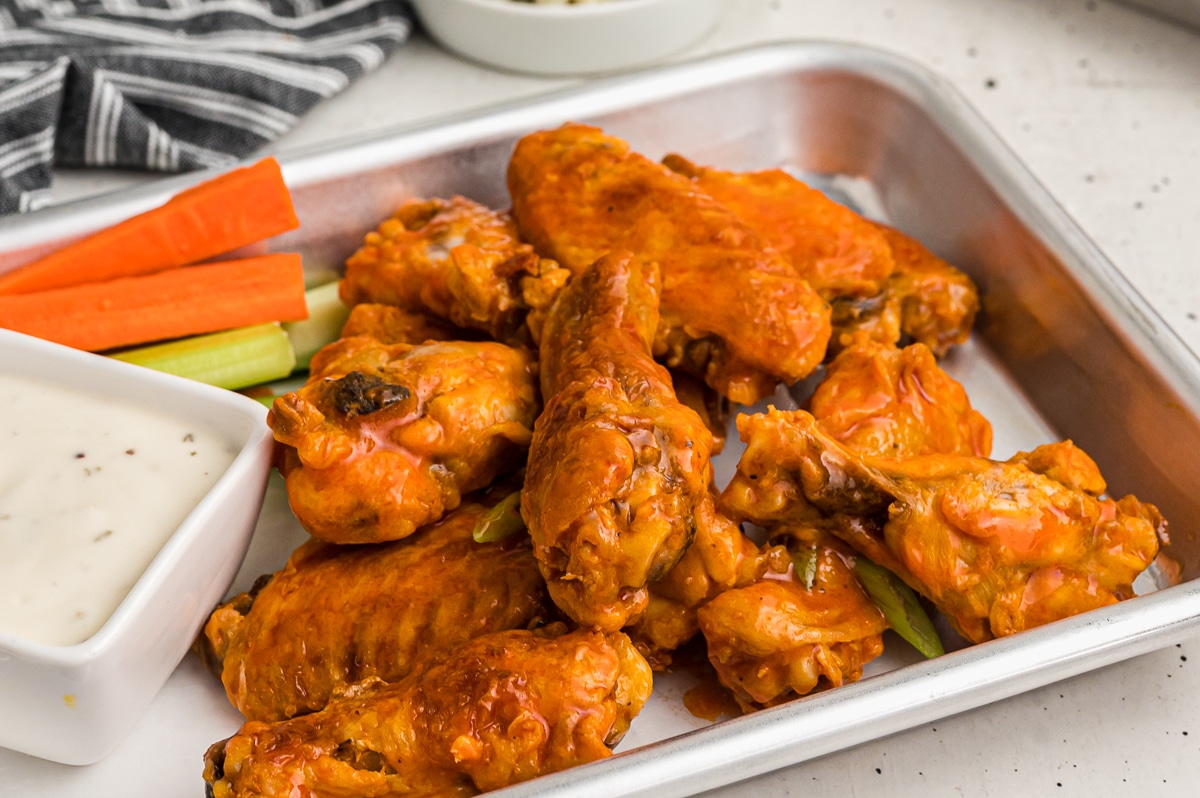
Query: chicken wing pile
{"points": [[506, 466]]}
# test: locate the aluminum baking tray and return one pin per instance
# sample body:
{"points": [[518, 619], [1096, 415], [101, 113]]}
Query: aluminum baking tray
{"points": [[1064, 348]]}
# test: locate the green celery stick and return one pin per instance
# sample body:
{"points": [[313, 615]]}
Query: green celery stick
{"points": [[326, 317], [900, 606], [501, 521], [232, 359], [804, 565]]}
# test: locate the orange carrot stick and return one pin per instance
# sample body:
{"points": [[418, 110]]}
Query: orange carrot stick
{"points": [[222, 214], [171, 304]]}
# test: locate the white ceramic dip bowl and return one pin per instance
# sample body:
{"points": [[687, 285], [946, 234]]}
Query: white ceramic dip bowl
{"points": [[557, 39], [72, 703]]}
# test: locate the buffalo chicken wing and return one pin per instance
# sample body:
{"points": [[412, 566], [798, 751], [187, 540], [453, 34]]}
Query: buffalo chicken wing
{"points": [[837, 251], [881, 400], [385, 438], [336, 615], [617, 465], [997, 546], [734, 311], [498, 710], [455, 260], [794, 629]]}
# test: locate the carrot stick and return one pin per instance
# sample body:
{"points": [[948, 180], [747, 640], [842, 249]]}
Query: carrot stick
{"points": [[135, 310], [222, 214]]}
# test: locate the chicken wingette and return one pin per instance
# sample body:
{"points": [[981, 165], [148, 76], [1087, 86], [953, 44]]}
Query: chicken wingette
{"points": [[794, 629], [335, 615], [455, 260], [837, 251], [998, 547], [881, 400], [734, 311], [498, 710], [879, 280]]}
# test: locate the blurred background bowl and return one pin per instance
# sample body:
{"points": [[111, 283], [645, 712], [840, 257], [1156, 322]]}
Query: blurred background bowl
{"points": [[555, 39], [74, 703]]}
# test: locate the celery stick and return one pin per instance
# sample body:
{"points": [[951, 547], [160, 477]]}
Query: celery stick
{"points": [[899, 605], [804, 565], [231, 359], [501, 521], [326, 317]]}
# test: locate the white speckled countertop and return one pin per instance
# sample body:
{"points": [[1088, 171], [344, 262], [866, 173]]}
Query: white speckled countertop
{"points": [[1102, 103]]}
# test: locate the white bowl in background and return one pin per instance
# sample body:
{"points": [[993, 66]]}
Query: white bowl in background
{"points": [[74, 703], [579, 39]]}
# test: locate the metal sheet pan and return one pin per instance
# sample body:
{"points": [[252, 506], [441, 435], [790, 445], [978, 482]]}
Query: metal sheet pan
{"points": [[1064, 348]]}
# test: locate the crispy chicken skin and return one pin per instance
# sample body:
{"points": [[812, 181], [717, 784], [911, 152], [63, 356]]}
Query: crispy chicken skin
{"points": [[456, 260], [881, 400], [721, 557], [926, 299], [837, 251], [938, 302], [781, 636], [389, 324], [734, 311], [385, 438], [714, 410], [617, 465], [336, 615], [499, 710], [997, 546]]}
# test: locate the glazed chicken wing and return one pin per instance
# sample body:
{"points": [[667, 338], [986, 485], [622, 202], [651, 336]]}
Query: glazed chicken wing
{"points": [[997, 546], [714, 410], [721, 557], [788, 633], [926, 299], [881, 400], [384, 439], [455, 260], [336, 615], [499, 710], [837, 251], [734, 311], [617, 465]]}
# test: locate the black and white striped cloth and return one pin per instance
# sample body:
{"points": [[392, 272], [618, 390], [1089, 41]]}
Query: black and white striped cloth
{"points": [[170, 85]]}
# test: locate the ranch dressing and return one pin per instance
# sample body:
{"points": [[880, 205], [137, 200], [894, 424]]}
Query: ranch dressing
{"points": [[90, 490]]}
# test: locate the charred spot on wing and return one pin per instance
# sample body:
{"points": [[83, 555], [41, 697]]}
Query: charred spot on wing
{"points": [[357, 394], [362, 758]]}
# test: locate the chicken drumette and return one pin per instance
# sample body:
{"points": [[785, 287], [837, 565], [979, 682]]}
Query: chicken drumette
{"points": [[498, 710], [997, 546], [455, 260], [734, 311], [336, 615], [385, 438], [617, 465]]}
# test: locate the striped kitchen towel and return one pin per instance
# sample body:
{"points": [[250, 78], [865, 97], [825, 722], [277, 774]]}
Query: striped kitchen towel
{"points": [[170, 85]]}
